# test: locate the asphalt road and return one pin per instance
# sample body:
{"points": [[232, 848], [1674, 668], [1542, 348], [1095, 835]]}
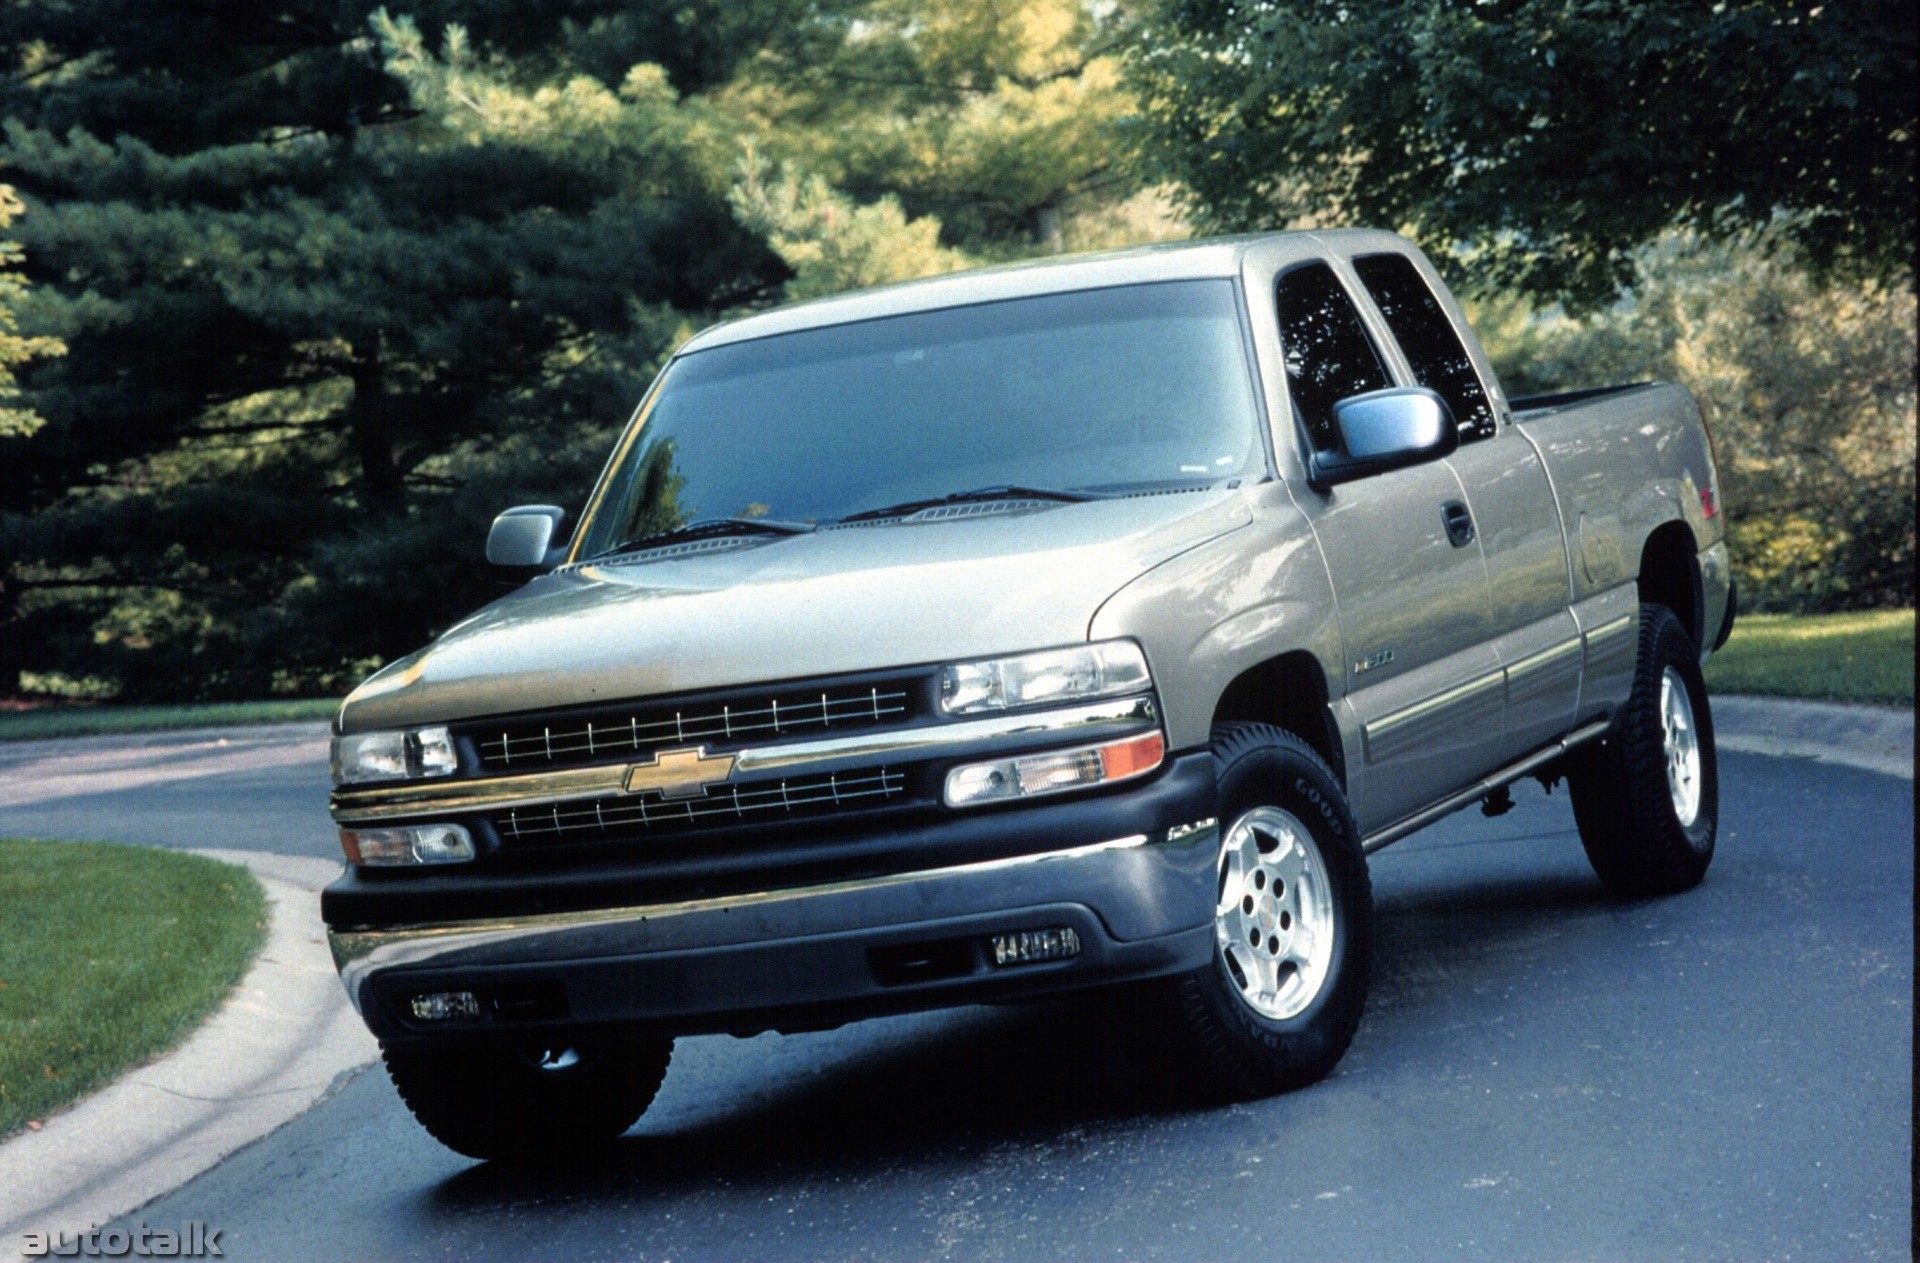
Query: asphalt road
{"points": [[244, 789], [1543, 1073]]}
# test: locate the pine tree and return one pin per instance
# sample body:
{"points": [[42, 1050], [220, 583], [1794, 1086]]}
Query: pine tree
{"points": [[16, 350], [296, 299]]}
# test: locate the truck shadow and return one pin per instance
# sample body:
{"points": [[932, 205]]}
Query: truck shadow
{"points": [[944, 1093]]}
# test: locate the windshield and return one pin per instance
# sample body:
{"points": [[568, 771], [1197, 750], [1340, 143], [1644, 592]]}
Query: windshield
{"points": [[1096, 391]]}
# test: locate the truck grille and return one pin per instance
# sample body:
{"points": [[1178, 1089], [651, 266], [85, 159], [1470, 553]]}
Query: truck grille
{"points": [[648, 814], [581, 737]]}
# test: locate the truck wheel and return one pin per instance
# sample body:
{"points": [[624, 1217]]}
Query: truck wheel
{"points": [[528, 1101], [1293, 928], [1647, 795]]}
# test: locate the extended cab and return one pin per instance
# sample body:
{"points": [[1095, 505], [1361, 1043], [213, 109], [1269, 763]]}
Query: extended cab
{"points": [[1012, 632]]}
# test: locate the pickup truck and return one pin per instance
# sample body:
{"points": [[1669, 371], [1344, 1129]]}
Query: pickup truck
{"points": [[1076, 624]]}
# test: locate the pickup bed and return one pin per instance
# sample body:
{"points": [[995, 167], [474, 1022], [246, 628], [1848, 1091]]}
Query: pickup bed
{"points": [[1012, 632]]}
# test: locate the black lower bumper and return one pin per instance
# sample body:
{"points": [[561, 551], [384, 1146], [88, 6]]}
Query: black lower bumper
{"points": [[1131, 873], [784, 985]]}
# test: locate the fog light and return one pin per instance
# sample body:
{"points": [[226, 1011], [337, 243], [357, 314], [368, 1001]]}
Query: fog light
{"points": [[446, 1006], [411, 844], [1030, 947], [1034, 774]]}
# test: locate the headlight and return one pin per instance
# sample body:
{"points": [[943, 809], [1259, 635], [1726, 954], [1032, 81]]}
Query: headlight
{"points": [[393, 756], [1055, 675], [407, 845]]}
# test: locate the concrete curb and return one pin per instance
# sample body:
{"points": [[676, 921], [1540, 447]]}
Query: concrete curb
{"points": [[1875, 738], [280, 1043]]}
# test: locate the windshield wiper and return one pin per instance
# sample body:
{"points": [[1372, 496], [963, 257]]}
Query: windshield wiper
{"points": [[710, 528], [964, 497]]}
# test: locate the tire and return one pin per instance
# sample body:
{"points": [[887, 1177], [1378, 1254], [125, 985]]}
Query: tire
{"points": [[525, 1101], [1645, 831], [1245, 1039]]}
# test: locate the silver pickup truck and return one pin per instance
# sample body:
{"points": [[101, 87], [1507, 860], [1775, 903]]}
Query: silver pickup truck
{"points": [[1055, 626]]}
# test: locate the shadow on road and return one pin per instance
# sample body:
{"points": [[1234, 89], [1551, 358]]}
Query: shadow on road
{"points": [[1003, 1074], [938, 1095]]}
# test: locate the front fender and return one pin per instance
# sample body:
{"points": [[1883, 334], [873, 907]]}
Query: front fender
{"points": [[1219, 610]]}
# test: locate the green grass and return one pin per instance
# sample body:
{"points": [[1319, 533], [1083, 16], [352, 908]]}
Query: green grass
{"points": [[109, 955], [1865, 657], [86, 721]]}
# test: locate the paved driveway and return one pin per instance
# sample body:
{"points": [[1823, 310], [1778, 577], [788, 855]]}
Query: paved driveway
{"points": [[1543, 1073]]}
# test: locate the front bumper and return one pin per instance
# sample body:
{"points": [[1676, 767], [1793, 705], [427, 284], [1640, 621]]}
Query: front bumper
{"points": [[1132, 872]]}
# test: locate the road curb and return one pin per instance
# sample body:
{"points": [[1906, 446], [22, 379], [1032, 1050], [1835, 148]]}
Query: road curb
{"points": [[278, 1044], [1875, 738]]}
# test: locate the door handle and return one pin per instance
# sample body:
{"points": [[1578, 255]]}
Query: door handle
{"points": [[1458, 520]]}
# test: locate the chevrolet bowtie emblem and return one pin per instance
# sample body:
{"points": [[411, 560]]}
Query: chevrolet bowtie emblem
{"points": [[680, 773]]}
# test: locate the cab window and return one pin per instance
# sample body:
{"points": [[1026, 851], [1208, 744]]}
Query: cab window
{"points": [[1434, 351], [1328, 355]]}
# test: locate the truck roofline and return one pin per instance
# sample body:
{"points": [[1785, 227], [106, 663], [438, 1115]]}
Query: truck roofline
{"points": [[1213, 257]]}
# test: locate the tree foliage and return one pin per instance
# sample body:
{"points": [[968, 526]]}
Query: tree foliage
{"points": [[16, 349], [831, 243], [336, 283], [1544, 141], [340, 283], [308, 308], [1808, 390]]}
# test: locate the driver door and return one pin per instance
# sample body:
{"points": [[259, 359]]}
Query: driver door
{"points": [[1422, 682]]}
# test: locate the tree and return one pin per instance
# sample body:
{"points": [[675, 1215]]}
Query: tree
{"points": [[308, 317], [831, 243], [16, 350], [1808, 390], [1006, 121], [1545, 140]]}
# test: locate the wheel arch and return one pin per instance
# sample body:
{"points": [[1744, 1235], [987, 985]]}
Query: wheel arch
{"points": [[1670, 576], [1290, 692]]}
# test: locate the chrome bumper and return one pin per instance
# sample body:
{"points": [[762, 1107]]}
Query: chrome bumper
{"points": [[1131, 889]]}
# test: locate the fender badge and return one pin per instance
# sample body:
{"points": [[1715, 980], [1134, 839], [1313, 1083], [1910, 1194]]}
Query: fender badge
{"points": [[680, 773], [1373, 660]]}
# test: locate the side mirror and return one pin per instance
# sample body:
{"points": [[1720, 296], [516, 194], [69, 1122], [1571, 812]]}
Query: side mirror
{"points": [[523, 538], [1383, 430]]}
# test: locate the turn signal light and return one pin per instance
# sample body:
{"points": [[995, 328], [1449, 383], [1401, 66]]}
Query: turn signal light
{"points": [[407, 845], [1031, 775]]}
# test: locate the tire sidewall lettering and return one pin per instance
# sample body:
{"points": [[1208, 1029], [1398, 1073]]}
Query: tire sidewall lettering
{"points": [[1324, 809]]}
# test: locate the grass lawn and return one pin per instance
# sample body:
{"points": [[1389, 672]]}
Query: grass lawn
{"points": [[109, 955], [1866, 657], [85, 721]]}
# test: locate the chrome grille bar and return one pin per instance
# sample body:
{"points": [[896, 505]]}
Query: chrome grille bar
{"points": [[780, 715], [569, 822]]}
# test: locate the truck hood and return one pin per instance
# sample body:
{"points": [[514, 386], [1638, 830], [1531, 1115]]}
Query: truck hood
{"points": [[840, 600]]}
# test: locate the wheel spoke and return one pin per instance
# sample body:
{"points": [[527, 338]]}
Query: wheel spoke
{"points": [[1262, 975], [1232, 880]]}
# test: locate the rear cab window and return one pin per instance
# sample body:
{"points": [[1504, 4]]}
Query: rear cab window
{"points": [[1433, 349], [1325, 347]]}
